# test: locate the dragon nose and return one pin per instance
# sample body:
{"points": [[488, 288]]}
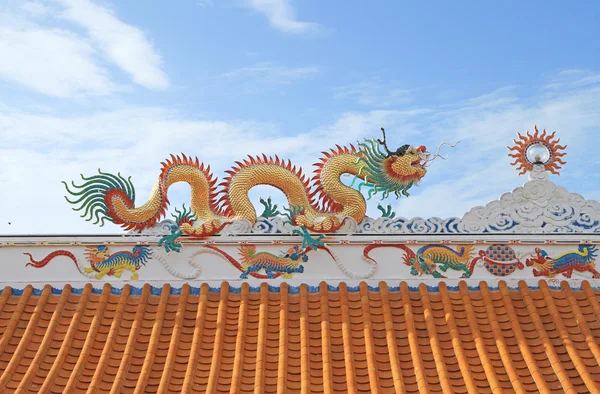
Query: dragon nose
{"points": [[422, 148], [528, 262]]}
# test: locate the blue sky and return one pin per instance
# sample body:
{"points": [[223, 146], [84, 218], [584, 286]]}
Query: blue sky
{"points": [[119, 85]]}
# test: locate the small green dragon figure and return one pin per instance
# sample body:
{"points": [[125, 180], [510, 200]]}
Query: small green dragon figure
{"points": [[101, 262], [429, 258]]}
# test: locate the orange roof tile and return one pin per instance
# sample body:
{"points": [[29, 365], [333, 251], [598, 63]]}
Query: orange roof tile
{"points": [[301, 339]]}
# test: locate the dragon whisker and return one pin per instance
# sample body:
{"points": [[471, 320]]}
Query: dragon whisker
{"points": [[437, 154]]}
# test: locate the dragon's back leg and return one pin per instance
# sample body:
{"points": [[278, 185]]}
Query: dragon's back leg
{"points": [[88, 270], [134, 273], [249, 269], [591, 268], [103, 272], [568, 273]]}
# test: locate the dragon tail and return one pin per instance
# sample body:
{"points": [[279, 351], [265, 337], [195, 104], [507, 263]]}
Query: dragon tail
{"points": [[345, 270], [409, 253], [96, 197], [107, 197], [473, 263], [42, 263]]}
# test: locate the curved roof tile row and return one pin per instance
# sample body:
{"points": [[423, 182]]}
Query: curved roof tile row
{"points": [[385, 339]]}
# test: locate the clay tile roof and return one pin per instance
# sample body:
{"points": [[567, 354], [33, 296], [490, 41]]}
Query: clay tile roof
{"points": [[342, 339]]}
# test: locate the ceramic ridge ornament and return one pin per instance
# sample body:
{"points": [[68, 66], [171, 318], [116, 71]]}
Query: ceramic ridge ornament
{"points": [[535, 149], [319, 203]]}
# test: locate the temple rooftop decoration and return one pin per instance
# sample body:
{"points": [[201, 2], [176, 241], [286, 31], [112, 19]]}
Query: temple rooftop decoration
{"points": [[314, 296]]}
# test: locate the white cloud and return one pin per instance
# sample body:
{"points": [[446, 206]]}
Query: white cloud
{"points": [[267, 72], [124, 45], [46, 55], [262, 76], [375, 94], [572, 79], [51, 61], [36, 9], [281, 15]]}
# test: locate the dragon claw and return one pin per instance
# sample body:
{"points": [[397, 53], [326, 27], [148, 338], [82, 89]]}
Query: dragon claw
{"points": [[270, 208], [169, 241], [307, 240], [387, 211]]}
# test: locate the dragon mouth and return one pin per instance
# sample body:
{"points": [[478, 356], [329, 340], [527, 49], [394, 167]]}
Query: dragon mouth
{"points": [[419, 163]]}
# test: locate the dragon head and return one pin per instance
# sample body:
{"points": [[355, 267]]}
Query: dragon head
{"points": [[407, 164], [389, 171], [96, 253], [295, 254], [539, 259]]}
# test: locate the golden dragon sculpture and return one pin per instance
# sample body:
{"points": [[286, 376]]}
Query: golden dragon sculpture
{"points": [[318, 203]]}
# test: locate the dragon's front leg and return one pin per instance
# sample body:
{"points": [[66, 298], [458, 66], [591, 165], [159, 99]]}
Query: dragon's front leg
{"points": [[437, 275], [103, 272], [118, 272], [568, 273], [307, 239], [249, 269], [467, 272]]}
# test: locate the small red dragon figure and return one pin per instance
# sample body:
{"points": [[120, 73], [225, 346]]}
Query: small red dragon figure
{"points": [[581, 260]]}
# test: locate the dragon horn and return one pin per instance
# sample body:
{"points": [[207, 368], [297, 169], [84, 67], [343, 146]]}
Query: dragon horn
{"points": [[382, 143]]}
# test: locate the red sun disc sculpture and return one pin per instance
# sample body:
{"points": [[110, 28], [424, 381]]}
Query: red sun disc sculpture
{"points": [[523, 147]]}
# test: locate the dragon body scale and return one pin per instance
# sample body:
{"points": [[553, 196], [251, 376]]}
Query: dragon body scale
{"points": [[319, 203]]}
